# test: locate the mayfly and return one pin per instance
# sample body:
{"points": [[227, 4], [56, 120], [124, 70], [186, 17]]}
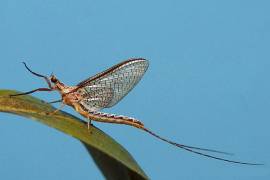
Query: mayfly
{"points": [[106, 89]]}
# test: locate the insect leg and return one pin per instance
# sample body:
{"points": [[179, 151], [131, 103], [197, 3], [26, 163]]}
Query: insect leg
{"points": [[30, 92], [55, 111], [88, 123], [57, 101]]}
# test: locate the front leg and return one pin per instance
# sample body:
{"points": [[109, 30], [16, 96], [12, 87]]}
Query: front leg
{"points": [[30, 92], [55, 111]]}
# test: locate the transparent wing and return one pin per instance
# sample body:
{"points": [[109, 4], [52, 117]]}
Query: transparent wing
{"points": [[109, 87], [96, 98]]}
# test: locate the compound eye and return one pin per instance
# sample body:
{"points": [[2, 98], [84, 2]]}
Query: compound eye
{"points": [[53, 79]]}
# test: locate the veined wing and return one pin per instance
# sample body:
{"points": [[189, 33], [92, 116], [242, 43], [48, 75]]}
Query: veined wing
{"points": [[110, 86]]}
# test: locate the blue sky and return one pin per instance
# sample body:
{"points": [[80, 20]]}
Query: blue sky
{"points": [[207, 85]]}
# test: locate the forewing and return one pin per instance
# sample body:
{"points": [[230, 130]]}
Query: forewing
{"points": [[109, 87]]}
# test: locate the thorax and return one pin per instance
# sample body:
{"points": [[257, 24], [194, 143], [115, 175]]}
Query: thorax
{"points": [[68, 93]]}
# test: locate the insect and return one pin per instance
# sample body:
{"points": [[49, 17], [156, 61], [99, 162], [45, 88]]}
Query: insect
{"points": [[106, 89]]}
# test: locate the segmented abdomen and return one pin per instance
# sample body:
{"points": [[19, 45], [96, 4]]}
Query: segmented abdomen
{"points": [[114, 117]]}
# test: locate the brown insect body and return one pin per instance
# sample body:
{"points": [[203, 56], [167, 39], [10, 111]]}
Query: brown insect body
{"points": [[73, 98], [105, 90]]}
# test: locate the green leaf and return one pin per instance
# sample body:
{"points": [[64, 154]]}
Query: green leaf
{"points": [[113, 160]]}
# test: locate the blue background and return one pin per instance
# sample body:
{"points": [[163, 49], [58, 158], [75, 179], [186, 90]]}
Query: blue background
{"points": [[207, 85]]}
